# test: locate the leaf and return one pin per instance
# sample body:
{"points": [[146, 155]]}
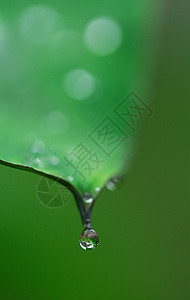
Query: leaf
{"points": [[65, 96]]}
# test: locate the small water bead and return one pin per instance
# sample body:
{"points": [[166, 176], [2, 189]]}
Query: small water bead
{"points": [[89, 239], [36, 161], [112, 183], [70, 178], [37, 154], [87, 197]]}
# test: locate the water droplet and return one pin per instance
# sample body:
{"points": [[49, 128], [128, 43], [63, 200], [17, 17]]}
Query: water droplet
{"points": [[70, 178], [37, 160], [103, 36], [89, 239], [87, 197], [79, 84], [112, 183]]}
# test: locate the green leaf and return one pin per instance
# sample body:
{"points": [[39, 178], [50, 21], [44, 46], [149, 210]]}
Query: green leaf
{"points": [[64, 83]]}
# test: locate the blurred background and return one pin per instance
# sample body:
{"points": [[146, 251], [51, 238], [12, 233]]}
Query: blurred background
{"points": [[143, 225]]}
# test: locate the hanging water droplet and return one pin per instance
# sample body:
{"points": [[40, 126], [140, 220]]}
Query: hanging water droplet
{"points": [[113, 183], [89, 239]]}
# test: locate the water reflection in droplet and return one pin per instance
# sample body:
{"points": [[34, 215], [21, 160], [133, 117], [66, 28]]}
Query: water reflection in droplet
{"points": [[89, 239], [39, 24], [87, 198], [103, 36], [79, 84]]}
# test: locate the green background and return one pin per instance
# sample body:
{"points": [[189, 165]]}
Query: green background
{"points": [[143, 226]]}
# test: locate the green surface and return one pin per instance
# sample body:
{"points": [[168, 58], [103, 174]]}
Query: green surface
{"points": [[143, 226], [64, 70]]}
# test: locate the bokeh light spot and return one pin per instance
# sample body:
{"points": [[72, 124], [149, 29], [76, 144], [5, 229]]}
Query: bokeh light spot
{"points": [[79, 84], [103, 36], [39, 24]]}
